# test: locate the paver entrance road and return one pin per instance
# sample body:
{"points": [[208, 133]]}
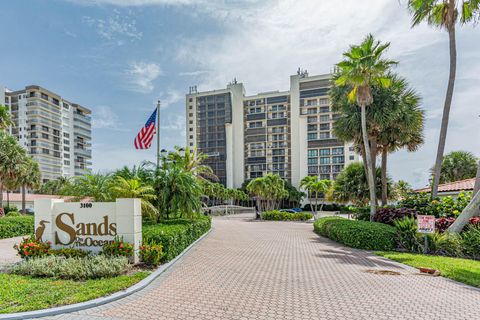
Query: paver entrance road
{"points": [[282, 270]]}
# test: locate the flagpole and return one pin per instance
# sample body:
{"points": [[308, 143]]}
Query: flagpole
{"points": [[158, 135]]}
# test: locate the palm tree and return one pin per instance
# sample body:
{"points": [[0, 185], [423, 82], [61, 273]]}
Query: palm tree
{"points": [[444, 14], [54, 186], [316, 187], [11, 157], [29, 177], [133, 188], [406, 128], [5, 119], [362, 68], [95, 186], [458, 165], [191, 160]]}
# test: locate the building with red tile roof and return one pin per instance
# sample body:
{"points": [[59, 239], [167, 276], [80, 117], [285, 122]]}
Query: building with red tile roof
{"points": [[452, 188]]}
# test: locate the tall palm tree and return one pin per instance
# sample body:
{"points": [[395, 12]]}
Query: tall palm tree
{"points": [[29, 177], [363, 67], [5, 119], [406, 128], [444, 14], [11, 157]]}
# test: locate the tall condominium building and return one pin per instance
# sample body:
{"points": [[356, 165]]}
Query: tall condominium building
{"points": [[56, 132], [288, 133]]}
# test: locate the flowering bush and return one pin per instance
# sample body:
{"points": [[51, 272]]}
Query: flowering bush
{"points": [[439, 207], [151, 254], [29, 248], [118, 248], [389, 215]]}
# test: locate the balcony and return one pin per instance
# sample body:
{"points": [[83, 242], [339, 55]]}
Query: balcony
{"points": [[83, 152]]}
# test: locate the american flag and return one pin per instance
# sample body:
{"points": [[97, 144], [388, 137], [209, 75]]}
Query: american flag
{"points": [[143, 140]]}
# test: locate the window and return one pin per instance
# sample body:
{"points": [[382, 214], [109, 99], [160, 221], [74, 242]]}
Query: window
{"points": [[190, 107], [66, 155], [313, 153], [350, 149], [191, 114], [191, 137], [66, 162], [337, 151], [324, 160], [324, 135], [44, 136], [45, 151], [278, 152], [312, 127], [312, 160], [256, 124], [324, 152], [352, 157], [66, 148], [190, 122], [66, 135], [324, 101], [325, 126], [190, 129], [324, 169], [324, 118], [312, 136], [324, 109], [312, 111], [338, 159], [45, 128], [311, 119], [66, 142]]}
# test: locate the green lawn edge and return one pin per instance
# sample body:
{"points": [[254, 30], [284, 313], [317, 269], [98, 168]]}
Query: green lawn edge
{"points": [[22, 293], [462, 270]]}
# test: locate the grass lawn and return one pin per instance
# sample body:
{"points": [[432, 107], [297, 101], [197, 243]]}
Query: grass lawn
{"points": [[462, 270], [21, 293]]}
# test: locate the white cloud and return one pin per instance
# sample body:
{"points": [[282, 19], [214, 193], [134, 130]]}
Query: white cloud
{"points": [[142, 74], [193, 73], [105, 118], [117, 28], [172, 96], [134, 3]]}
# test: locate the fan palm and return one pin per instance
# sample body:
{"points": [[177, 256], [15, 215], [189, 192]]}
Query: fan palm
{"points": [[315, 187], [458, 165], [192, 161], [444, 14], [362, 68]]}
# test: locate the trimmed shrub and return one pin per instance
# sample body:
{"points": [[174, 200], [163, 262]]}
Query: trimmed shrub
{"points": [[286, 216], [91, 267], [118, 248], [16, 226], [471, 242], [30, 248], [151, 254], [389, 215], [175, 235], [357, 234], [13, 214]]}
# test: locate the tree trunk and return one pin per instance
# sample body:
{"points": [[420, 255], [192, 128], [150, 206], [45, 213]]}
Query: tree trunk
{"points": [[446, 111], [23, 200], [476, 188], [384, 177], [368, 156], [8, 199], [1, 195], [373, 151], [463, 219]]}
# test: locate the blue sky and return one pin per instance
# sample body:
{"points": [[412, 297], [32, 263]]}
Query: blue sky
{"points": [[118, 57]]}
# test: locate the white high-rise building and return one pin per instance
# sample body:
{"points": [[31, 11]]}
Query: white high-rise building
{"points": [[56, 132], [289, 133]]}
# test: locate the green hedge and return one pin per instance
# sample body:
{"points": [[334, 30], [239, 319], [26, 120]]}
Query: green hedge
{"points": [[357, 234], [16, 226], [286, 216], [175, 235]]}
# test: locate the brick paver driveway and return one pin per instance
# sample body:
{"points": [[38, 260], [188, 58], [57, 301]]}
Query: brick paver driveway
{"points": [[282, 270]]}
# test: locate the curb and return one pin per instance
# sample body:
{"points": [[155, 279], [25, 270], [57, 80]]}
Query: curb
{"points": [[102, 300]]}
